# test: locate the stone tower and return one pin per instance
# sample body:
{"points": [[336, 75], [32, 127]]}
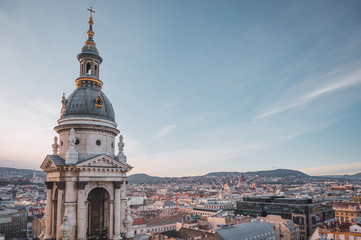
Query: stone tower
{"points": [[86, 181]]}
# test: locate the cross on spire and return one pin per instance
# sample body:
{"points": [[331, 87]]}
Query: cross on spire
{"points": [[91, 11]]}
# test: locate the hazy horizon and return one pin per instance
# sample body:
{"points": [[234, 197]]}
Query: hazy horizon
{"points": [[196, 86]]}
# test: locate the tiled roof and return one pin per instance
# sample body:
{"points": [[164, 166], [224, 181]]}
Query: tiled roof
{"points": [[252, 230], [162, 220], [138, 221], [187, 233], [58, 161]]}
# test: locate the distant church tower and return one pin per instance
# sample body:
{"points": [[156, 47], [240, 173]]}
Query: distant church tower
{"points": [[86, 181]]}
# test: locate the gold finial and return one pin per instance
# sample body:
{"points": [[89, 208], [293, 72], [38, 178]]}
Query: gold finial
{"points": [[90, 32], [91, 15], [91, 11]]}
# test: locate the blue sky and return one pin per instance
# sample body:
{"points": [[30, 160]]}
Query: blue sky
{"points": [[197, 86]]}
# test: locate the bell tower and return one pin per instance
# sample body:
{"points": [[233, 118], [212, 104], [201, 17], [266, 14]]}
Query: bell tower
{"points": [[86, 181]]}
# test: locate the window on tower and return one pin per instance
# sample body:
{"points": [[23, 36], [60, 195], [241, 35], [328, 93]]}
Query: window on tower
{"points": [[88, 68]]}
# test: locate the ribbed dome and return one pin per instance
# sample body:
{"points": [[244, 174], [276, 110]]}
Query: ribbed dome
{"points": [[82, 103], [90, 48]]}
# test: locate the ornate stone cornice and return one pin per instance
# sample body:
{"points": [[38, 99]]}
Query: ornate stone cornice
{"points": [[86, 127]]}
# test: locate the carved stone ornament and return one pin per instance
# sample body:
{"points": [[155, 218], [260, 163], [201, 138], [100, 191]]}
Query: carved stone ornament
{"points": [[117, 184], [128, 225], [60, 185], [71, 156], [63, 104], [55, 146], [121, 157], [121, 144], [63, 101], [65, 228], [81, 185], [49, 185], [99, 101]]}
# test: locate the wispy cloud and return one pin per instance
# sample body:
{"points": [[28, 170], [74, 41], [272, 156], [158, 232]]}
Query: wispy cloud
{"points": [[200, 158], [335, 81], [33, 119], [348, 168], [164, 131]]}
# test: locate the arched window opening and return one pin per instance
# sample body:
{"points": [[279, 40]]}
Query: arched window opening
{"points": [[96, 70], [88, 68], [98, 214]]}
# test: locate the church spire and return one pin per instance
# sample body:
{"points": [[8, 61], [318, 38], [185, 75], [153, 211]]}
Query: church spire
{"points": [[90, 31], [89, 60]]}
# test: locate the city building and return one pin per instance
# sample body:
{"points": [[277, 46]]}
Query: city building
{"points": [[344, 231], [307, 214], [224, 219], [284, 228], [13, 223], [242, 182], [86, 181], [346, 211], [209, 209], [152, 225]]}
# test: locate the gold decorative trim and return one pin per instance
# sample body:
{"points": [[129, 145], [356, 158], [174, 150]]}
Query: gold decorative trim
{"points": [[98, 83], [99, 101], [90, 42]]}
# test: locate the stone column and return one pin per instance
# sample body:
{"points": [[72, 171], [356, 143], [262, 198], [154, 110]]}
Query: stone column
{"points": [[48, 216], [117, 222], [111, 219], [81, 215], [87, 217], [70, 206], [53, 217], [59, 211], [123, 207]]}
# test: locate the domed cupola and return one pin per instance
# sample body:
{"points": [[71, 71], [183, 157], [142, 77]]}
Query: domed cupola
{"points": [[87, 110], [88, 100]]}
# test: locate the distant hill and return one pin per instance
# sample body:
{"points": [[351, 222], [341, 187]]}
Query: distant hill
{"points": [[141, 177], [219, 174], [354, 176], [6, 172], [280, 173], [266, 173]]}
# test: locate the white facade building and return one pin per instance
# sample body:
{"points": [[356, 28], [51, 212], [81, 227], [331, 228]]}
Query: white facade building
{"points": [[86, 181]]}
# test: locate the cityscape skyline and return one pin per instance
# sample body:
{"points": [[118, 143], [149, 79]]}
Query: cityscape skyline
{"points": [[197, 87]]}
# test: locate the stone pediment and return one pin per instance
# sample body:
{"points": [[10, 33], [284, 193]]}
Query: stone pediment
{"points": [[51, 162], [103, 161]]}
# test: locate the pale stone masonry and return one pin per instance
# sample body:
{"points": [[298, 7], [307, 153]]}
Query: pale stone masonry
{"points": [[86, 181]]}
